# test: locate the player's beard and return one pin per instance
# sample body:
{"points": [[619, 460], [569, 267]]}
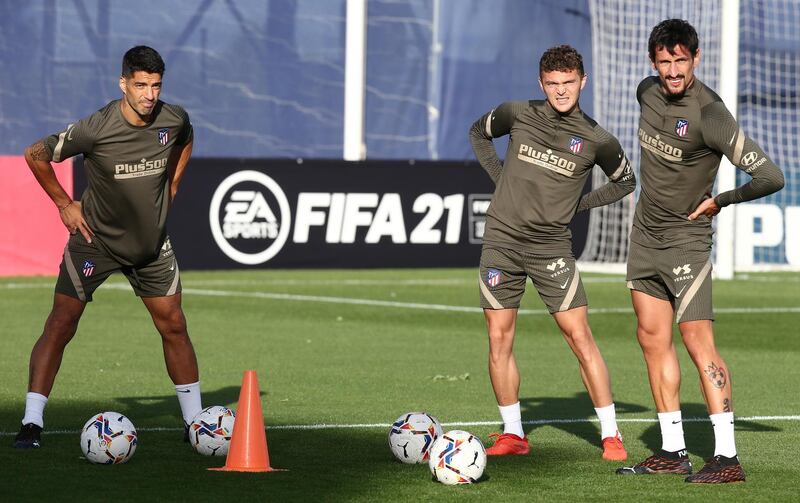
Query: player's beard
{"points": [[135, 106], [673, 92]]}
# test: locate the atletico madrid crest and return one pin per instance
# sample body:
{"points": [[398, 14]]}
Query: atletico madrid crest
{"points": [[163, 136], [88, 268], [492, 277], [575, 145], [682, 127]]}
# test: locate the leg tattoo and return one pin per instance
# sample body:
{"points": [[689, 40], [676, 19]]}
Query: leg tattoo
{"points": [[716, 375], [726, 405]]}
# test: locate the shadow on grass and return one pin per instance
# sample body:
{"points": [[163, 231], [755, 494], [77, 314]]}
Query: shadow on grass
{"points": [[157, 406], [699, 435], [323, 465], [145, 411], [574, 410]]}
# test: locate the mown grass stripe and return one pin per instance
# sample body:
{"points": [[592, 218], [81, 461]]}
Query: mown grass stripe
{"points": [[325, 426]]}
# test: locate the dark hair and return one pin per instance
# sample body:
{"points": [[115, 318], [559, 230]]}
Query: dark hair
{"points": [[142, 59], [561, 59], [672, 32]]}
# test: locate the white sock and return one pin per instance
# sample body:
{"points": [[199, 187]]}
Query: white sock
{"points": [[189, 398], [34, 409], [723, 434], [512, 419], [671, 431], [608, 421]]}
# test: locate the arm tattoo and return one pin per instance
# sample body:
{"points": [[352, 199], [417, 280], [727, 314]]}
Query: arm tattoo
{"points": [[726, 405], [39, 152], [716, 375]]}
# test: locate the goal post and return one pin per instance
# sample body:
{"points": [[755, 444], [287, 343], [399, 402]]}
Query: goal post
{"points": [[726, 176]]}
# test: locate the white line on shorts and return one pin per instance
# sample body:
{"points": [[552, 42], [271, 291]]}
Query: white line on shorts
{"points": [[358, 426]]}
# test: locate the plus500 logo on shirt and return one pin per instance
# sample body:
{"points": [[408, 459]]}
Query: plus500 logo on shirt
{"points": [[141, 168]]}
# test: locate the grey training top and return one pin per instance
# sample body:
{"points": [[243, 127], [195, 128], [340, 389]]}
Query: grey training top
{"points": [[682, 141], [127, 197], [548, 159]]}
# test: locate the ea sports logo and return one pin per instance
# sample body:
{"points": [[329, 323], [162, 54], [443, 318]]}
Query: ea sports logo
{"points": [[250, 217]]}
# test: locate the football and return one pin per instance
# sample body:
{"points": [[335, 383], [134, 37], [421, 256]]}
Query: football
{"points": [[211, 430], [108, 438], [458, 457], [412, 435]]}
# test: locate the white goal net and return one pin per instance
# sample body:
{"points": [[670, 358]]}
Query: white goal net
{"points": [[766, 233], [620, 30], [768, 230]]}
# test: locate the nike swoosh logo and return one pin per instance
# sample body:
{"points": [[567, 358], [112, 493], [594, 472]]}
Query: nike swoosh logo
{"points": [[676, 422], [184, 391], [680, 291], [732, 138], [564, 285], [69, 132], [173, 267]]}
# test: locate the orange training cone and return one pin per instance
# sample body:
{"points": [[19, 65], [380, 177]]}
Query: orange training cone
{"points": [[248, 449]]}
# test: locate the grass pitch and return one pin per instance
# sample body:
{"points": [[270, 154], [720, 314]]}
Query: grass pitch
{"points": [[353, 350]]}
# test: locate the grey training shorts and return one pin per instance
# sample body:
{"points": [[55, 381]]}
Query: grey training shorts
{"points": [[503, 273], [85, 266], [677, 274]]}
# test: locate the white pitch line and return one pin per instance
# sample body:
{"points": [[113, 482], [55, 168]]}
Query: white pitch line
{"points": [[19, 286], [325, 426], [332, 300], [416, 305], [530, 422], [373, 282], [334, 282], [444, 307], [768, 279], [321, 282]]}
